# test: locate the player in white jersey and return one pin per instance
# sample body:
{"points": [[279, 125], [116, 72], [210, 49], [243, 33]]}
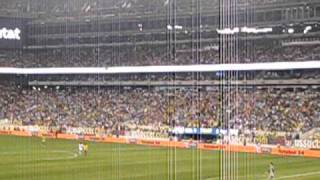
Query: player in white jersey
{"points": [[271, 172], [80, 148]]}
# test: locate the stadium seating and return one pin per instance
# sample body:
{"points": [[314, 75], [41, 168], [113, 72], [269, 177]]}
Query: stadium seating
{"points": [[285, 110], [140, 56]]}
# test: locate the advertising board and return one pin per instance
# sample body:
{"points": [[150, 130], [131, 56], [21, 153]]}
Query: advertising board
{"points": [[12, 32]]}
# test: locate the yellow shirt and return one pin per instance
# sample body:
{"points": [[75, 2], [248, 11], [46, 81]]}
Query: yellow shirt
{"points": [[86, 147]]}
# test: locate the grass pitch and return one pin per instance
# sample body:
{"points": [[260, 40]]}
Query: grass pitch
{"points": [[28, 159]]}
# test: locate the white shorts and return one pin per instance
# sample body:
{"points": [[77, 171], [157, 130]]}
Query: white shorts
{"points": [[271, 176]]}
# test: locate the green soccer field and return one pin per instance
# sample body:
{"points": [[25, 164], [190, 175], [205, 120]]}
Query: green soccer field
{"points": [[29, 159]]}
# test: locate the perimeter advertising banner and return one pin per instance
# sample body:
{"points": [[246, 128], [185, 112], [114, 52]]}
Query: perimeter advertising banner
{"points": [[307, 144], [12, 32]]}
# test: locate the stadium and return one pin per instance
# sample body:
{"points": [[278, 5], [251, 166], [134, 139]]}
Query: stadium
{"points": [[159, 89]]}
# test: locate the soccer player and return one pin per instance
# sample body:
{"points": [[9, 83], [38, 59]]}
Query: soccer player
{"points": [[43, 141], [85, 148], [271, 171], [80, 148]]}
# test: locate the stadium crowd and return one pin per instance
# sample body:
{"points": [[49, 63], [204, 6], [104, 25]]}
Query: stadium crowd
{"points": [[129, 109], [142, 56], [70, 8]]}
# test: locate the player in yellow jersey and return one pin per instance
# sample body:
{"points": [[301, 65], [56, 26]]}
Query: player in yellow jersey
{"points": [[85, 149], [43, 141]]}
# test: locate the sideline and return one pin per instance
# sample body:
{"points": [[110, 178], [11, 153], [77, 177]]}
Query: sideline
{"points": [[281, 177], [300, 175]]}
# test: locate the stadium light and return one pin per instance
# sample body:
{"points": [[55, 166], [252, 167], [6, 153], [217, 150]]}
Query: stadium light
{"points": [[307, 29], [178, 27], [290, 30], [167, 69]]}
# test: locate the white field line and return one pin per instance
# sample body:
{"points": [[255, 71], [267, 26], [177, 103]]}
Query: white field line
{"points": [[70, 155], [300, 175], [217, 178], [281, 177], [62, 151]]}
